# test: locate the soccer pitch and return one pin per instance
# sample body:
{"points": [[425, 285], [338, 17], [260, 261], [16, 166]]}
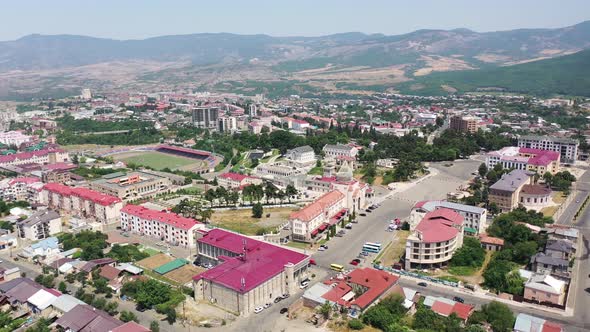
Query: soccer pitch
{"points": [[156, 160]]}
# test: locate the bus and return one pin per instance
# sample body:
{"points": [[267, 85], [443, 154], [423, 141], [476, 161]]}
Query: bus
{"points": [[337, 267], [374, 244], [372, 247]]}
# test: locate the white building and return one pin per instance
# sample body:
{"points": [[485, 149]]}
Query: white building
{"points": [[475, 218], [275, 170], [43, 157], [21, 189], [339, 150], [236, 181], [14, 138], [568, 148], [315, 217], [40, 225], [227, 124], [165, 226], [301, 156], [86, 94]]}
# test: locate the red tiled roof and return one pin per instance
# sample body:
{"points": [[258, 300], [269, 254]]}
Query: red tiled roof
{"points": [[535, 189], [262, 261], [337, 292], [109, 272], [165, 217], [130, 327], [491, 240], [462, 310], [234, 176], [27, 155], [552, 327], [420, 204], [318, 206], [439, 225], [84, 193], [185, 150], [541, 157], [376, 281], [442, 308], [27, 180]]}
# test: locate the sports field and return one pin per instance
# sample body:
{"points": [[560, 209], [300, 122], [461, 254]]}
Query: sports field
{"points": [[156, 160]]}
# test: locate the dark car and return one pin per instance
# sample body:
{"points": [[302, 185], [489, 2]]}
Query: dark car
{"points": [[278, 299], [283, 310], [140, 308], [362, 214], [423, 284], [458, 299]]}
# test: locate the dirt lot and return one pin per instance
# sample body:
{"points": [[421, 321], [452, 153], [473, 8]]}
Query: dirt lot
{"points": [[242, 221], [155, 261], [184, 274]]}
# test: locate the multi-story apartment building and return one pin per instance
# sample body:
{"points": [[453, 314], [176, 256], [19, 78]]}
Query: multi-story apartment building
{"points": [[464, 124], [132, 185], [40, 225], [205, 117], [82, 202], [434, 240], [248, 273], [506, 191], [474, 217], [236, 181], [567, 148], [14, 138], [21, 189], [227, 124], [339, 150], [165, 226], [526, 159], [316, 217], [302, 156], [42, 157]]}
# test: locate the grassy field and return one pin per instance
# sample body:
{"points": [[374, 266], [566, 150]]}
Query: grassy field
{"points": [[242, 221], [558, 198], [155, 160], [392, 253]]}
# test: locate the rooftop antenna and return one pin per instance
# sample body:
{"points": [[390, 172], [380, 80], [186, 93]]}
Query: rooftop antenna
{"points": [[244, 249], [242, 283]]}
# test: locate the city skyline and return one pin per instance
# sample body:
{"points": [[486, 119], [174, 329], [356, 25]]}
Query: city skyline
{"points": [[115, 20]]}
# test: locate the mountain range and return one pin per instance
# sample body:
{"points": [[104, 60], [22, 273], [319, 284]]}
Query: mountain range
{"points": [[42, 65]]}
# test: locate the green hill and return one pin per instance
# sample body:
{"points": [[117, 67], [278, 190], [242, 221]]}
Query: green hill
{"points": [[565, 75]]}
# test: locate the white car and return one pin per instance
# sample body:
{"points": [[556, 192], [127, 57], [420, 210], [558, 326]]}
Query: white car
{"points": [[258, 310], [267, 305], [304, 284]]}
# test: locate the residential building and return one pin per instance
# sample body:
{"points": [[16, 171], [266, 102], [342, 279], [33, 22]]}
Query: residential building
{"points": [[82, 202], [505, 192], [248, 273], [232, 180], [545, 264], [334, 151], [40, 225], [528, 323], [21, 189], [64, 304], [464, 124], [227, 124], [302, 156], [426, 118], [545, 288], [526, 159], [361, 288], [565, 249], [48, 247], [132, 185], [534, 196], [165, 226], [491, 243], [205, 117], [7, 242], [567, 148], [87, 318], [276, 170], [445, 307], [15, 138], [316, 216], [474, 217], [434, 240], [42, 157], [299, 125]]}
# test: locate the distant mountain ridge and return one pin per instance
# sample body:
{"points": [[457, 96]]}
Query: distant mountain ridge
{"points": [[39, 65]]}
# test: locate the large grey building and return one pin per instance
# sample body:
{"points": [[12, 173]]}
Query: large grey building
{"points": [[205, 117], [567, 148]]}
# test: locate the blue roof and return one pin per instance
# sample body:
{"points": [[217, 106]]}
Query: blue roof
{"points": [[528, 323], [48, 243]]}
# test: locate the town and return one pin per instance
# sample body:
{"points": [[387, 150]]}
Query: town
{"points": [[172, 211]]}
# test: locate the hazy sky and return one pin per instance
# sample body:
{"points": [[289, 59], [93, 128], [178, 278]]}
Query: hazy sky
{"points": [[129, 19]]}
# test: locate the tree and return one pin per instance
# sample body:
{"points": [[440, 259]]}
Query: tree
{"points": [[127, 316], [210, 196], [100, 285], [170, 315], [111, 308], [493, 208], [325, 310], [290, 191], [482, 170], [257, 210], [62, 287], [154, 326], [356, 324], [499, 316], [42, 325], [470, 254]]}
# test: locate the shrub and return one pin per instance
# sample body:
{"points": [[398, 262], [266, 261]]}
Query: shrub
{"points": [[356, 324]]}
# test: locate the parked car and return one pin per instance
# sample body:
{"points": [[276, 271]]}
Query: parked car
{"points": [[422, 284], [140, 308], [354, 221], [348, 226], [323, 247], [267, 305], [458, 299], [284, 296], [364, 253], [283, 310], [258, 310], [362, 214], [278, 299], [354, 262], [312, 262]]}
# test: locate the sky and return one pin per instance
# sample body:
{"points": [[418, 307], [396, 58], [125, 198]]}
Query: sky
{"points": [[137, 19]]}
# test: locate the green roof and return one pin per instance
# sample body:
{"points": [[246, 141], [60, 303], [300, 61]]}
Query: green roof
{"points": [[175, 264], [470, 230], [113, 175]]}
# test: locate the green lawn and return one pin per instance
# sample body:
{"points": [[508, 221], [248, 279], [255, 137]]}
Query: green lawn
{"points": [[298, 245], [157, 160], [150, 251], [462, 270], [316, 171]]}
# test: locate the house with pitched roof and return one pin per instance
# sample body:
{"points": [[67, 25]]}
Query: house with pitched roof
{"points": [[231, 180], [434, 240], [545, 288], [317, 216], [528, 323]]}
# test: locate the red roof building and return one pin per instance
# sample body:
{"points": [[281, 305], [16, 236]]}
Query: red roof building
{"points": [[252, 271], [43, 157], [232, 180], [163, 225], [310, 218]]}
